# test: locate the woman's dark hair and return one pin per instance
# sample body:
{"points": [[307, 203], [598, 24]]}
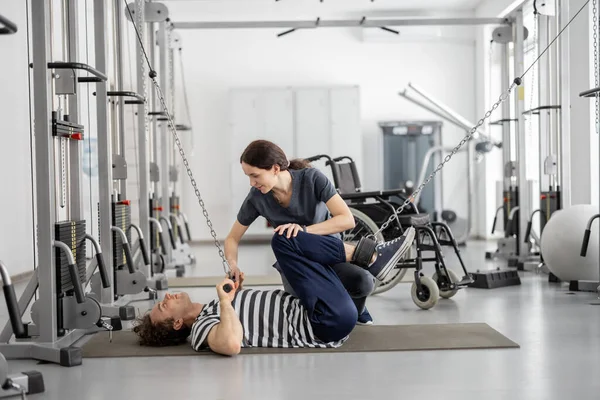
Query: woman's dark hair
{"points": [[159, 334], [264, 154]]}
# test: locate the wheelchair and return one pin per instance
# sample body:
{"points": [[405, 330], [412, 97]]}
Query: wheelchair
{"points": [[372, 209]]}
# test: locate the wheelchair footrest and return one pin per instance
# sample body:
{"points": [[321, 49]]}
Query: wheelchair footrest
{"points": [[466, 281], [494, 279]]}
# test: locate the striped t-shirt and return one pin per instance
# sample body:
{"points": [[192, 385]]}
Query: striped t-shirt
{"points": [[271, 318]]}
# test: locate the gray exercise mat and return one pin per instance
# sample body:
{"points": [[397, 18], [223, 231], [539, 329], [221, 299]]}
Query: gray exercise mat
{"points": [[363, 339]]}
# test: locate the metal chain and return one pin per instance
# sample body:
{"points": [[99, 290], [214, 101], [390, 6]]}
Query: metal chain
{"points": [[596, 28], [503, 97], [186, 164]]}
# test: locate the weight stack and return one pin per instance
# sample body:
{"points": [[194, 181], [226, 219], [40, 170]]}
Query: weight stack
{"points": [[549, 203], [174, 207], [121, 219], [154, 213], [511, 200], [71, 233]]}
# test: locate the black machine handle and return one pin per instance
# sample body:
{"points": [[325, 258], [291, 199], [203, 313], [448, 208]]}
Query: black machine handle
{"points": [[586, 242], [509, 224], [586, 236], [227, 287], [139, 99], [540, 108], [175, 223], [73, 273], [128, 258], [126, 249], [161, 239], [528, 231], [100, 260], [496, 219], [187, 231], [143, 247], [76, 286], [187, 226], [503, 120], [89, 79], [180, 231], [76, 65], [144, 250], [172, 237], [11, 303], [590, 93], [9, 26], [530, 223], [102, 268], [181, 127]]}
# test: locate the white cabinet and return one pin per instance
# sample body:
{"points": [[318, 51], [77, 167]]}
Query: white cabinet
{"points": [[302, 121]]}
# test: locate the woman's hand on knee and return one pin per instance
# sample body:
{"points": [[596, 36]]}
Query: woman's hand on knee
{"points": [[290, 230]]}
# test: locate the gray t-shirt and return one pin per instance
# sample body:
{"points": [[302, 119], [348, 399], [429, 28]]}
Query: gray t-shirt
{"points": [[311, 189]]}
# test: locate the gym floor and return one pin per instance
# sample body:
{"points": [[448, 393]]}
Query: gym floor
{"points": [[558, 332]]}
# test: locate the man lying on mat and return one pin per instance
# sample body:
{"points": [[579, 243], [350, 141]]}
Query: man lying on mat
{"points": [[323, 314]]}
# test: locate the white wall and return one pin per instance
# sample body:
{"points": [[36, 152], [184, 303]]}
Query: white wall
{"points": [[218, 60], [16, 232]]}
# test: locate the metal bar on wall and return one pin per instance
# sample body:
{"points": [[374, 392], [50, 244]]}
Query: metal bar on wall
{"points": [[104, 151], [143, 145], [519, 54], [75, 152], [357, 23], [44, 168]]}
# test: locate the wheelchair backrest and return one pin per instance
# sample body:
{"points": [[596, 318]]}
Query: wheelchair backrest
{"points": [[346, 180], [349, 182]]}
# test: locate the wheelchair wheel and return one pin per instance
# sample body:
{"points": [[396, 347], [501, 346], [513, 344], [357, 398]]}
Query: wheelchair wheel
{"points": [[443, 280], [429, 295], [365, 226]]}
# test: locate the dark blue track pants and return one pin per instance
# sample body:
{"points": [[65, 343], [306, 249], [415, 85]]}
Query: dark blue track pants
{"points": [[306, 262]]}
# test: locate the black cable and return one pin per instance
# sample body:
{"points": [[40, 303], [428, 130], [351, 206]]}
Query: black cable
{"points": [[31, 144], [89, 136], [152, 72], [554, 40], [185, 96]]}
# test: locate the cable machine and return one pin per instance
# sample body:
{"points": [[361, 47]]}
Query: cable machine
{"points": [[62, 313]]}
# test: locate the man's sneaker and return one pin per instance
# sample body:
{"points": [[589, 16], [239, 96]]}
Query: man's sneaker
{"points": [[389, 253], [365, 318]]}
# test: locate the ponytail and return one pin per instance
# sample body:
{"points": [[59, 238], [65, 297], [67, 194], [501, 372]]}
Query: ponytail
{"points": [[299, 163]]}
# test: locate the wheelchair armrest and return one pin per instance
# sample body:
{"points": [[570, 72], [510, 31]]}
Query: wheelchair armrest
{"points": [[360, 195], [394, 192]]}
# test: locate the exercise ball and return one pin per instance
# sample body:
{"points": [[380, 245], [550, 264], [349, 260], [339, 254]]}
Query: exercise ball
{"points": [[561, 244]]}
